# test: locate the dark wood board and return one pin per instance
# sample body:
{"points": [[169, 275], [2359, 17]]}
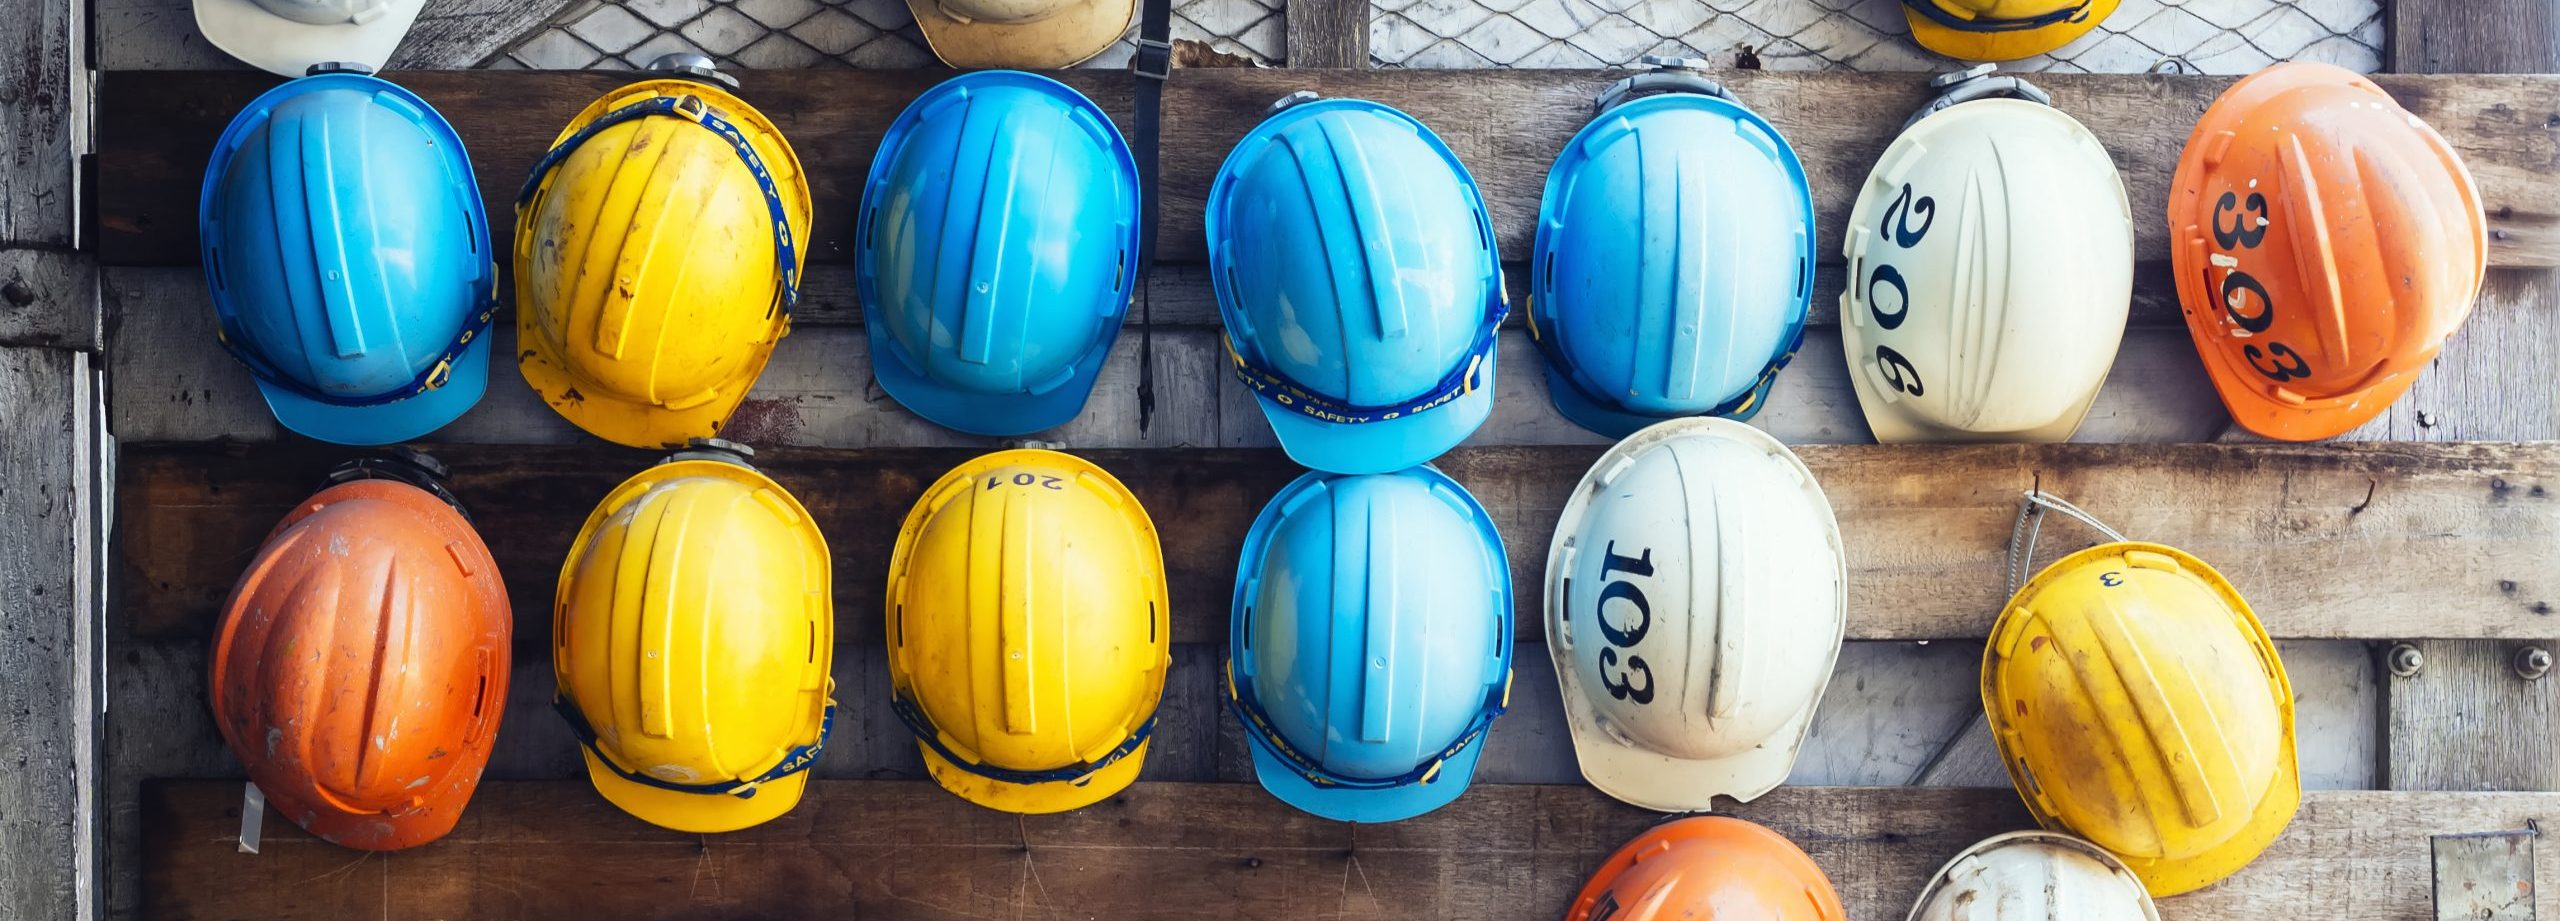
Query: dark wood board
{"points": [[156, 130], [903, 849], [2328, 541]]}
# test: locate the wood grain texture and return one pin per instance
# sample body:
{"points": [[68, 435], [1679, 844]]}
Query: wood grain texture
{"points": [[818, 391], [50, 298], [465, 33], [2468, 722], [1328, 33], [156, 129], [2471, 532], [900, 849], [43, 114], [48, 642]]}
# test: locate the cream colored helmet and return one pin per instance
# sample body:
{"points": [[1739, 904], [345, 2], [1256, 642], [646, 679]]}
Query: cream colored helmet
{"points": [[290, 37], [1021, 34], [1696, 597], [1990, 269], [2034, 876]]}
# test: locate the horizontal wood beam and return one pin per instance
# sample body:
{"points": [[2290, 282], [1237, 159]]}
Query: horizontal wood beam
{"points": [[2327, 541], [173, 385], [157, 129], [1183, 851]]}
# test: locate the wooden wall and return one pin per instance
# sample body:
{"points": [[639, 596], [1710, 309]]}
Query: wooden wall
{"points": [[2442, 535]]}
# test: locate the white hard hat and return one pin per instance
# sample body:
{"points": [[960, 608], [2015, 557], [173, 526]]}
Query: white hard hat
{"points": [[1696, 597], [2034, 876], [1990, 270], [289, 37]]}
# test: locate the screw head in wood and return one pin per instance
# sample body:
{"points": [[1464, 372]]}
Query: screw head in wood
{"points": [[2405, 660], [2533, 662]]}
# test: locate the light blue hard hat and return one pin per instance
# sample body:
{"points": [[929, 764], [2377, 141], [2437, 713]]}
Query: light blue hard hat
{"points": [[1369, 646], [1674, 261], [348, 256], [997, 252], [1356, 272]]}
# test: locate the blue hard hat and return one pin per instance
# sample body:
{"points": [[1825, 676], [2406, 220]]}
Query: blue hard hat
{"points": [[1674, 261], [997, 252], [1369, 647], [348, 255], [1356, 272]]}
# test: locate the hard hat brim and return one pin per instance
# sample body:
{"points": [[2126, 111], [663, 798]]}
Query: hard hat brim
{"points": [[2002, 46], [278, 45], [990, 414], [370, 832], [2326, 419], [1662, 783], [620, 421], [1617, 423], [1894, 427], [1064, 40], [1039, 798], [701, 813], [1349, 805], [1385, 446], [386, 423]]}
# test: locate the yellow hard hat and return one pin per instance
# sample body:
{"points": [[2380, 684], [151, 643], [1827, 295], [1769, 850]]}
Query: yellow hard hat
{"points": [[2139, 705], [692, 633], [2001, 30], [1028, 638], [657, 259]]}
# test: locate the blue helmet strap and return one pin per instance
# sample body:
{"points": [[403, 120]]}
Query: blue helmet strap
{"points": [[922, 727], [1930, 10], [692, 109], [1248, 707], [1739, 405], [799, 758], [1279, 389], [436, 374]]}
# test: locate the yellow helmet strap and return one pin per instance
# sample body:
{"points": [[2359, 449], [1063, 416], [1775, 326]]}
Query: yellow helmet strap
{"points": [[799, 758]]}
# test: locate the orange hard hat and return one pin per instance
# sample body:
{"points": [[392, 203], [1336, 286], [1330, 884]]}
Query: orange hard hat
{"points": [[2326, 243], [361, 664], [1708, 868]]}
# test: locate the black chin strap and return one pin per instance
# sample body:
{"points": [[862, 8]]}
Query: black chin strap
{"points": [[1153, 63]]}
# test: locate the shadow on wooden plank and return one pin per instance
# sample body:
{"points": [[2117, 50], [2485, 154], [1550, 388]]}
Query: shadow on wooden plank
{"points": [[906, 850]]}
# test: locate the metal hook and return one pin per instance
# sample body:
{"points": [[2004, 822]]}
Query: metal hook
{"points": [[2030, 526]]}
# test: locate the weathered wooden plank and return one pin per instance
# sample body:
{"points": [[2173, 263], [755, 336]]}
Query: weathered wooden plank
{"points": [[155, 130], [2466, 721], [49, 297], [465, 33], [1328, 33], [43, 113], [2470, 393], [897, 849], [48, 645], [2471, 533], [172, 385]]}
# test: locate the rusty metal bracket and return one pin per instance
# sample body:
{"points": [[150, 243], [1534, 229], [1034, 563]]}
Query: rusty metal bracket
{"points": [[2485, 877]]}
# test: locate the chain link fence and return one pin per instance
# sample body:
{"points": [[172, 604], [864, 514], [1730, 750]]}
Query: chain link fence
{"points": [[2210, 36]]}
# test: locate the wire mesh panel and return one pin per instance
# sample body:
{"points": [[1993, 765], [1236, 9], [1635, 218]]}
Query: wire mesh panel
{"points": [[2213, 36], [2210, 36]]}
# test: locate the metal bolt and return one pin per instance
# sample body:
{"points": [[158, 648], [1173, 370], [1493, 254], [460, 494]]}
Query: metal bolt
{"points": [[18, 293], [2533, 662], [2405, 660]]}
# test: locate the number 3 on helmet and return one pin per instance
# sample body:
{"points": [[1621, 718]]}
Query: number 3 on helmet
{"points": [[2326, 244]]}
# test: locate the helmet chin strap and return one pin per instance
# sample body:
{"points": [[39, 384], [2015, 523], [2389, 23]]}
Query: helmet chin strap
{"points": [[2030, 525]]}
